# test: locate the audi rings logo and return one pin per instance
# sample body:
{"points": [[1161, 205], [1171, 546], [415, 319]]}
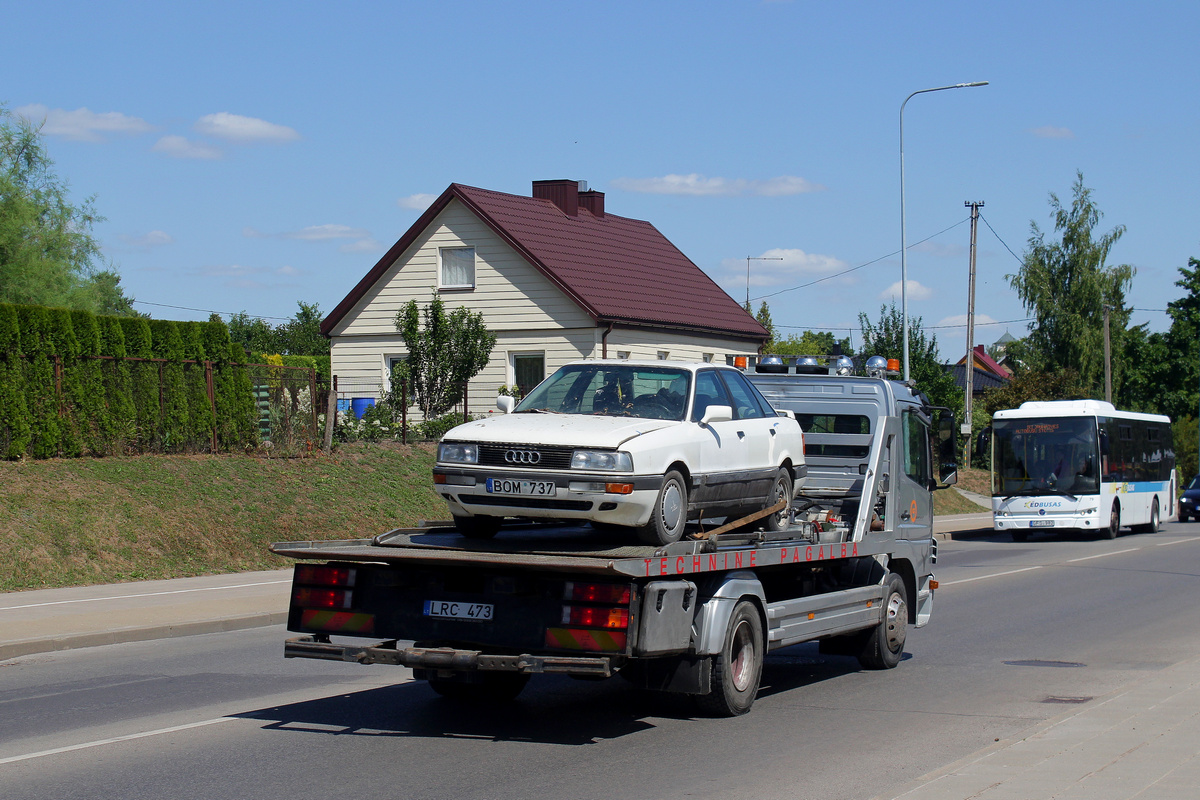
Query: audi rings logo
{"points": [[522, 456]]}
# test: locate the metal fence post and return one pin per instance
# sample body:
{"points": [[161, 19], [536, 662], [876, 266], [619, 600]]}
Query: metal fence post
{"points": [[404, 411]]}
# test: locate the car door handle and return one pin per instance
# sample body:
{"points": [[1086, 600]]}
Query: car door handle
{"points": [[772, 431], [741, 434]]}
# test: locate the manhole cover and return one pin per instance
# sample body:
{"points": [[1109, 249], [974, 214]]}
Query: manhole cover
{"points": [[1039, 663], [1067, 700]]}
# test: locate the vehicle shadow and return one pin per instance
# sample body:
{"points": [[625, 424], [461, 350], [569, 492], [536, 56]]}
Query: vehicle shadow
{"points": [[551, 710]]}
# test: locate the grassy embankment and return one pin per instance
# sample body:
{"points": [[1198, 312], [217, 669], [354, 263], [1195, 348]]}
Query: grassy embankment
{"points": [[948, 501], [75, 522]]}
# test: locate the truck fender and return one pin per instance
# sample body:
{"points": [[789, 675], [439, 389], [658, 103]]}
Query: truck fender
{"points": [[716, 608]]}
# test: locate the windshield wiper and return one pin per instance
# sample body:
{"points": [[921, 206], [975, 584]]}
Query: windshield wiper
{"points": [[536, 411]]}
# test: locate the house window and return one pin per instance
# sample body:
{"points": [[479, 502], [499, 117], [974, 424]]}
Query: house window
{"points": [[457, 269], [528, 370], [623, 354], [662, 355], [708, 357]]}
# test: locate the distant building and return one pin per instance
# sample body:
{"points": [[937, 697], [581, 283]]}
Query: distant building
{"points": [[988, 372], [556, 277]]}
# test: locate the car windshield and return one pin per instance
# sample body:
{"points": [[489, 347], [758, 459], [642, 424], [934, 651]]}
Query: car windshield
{"points": [[612, 389], [1194, 483]]}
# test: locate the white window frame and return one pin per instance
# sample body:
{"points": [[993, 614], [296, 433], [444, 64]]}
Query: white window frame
{"points": [[513, 355], [664, 355], [441, 272], [622, 355]]}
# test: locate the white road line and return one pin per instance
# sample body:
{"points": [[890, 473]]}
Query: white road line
{"points": [[113, 740], [145, 594], [985, 577], [1102, 555], [1177, 541]]}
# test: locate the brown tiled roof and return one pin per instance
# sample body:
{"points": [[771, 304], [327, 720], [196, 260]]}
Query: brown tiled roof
{"points": [[616, 269]]}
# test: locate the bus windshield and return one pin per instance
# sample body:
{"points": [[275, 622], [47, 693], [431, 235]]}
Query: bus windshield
{"points": [[1051, 455]]}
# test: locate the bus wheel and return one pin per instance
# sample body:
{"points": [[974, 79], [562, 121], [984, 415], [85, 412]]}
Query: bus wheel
{"points": [[1152, 526], [1114, 523], [737, 670]]}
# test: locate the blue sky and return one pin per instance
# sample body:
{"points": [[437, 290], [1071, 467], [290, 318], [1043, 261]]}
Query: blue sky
{"points": [[249, 156]]}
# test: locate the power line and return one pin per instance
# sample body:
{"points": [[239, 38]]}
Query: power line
{"points": [[1006, 247], [860, 266], [204, 310]]}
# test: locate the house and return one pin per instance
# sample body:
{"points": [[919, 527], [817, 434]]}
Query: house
{"points": [[556, 277], [988, 373]]}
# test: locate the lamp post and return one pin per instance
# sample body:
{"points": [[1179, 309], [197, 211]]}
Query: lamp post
{"points": [[903, 236]]}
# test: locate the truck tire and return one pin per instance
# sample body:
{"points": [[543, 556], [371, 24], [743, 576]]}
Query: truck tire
{"points": [[478, 527], [737, 669], [1114, 523], [781, 490], [1152, 526], [669, 517], [884, 646], [484, 687]]}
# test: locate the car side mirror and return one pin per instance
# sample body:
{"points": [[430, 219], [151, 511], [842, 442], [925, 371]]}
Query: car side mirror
{"points": [[785, 412], [716, 414], [506, 403]]}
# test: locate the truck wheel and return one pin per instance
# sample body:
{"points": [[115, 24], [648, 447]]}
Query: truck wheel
{"points": [[737, 670], [782, 491], [669, 517], [1114, 523], [1152, 526], [884, 646], [477, 527], [485, 687]]}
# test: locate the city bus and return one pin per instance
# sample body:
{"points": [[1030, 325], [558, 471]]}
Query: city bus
{"points": [[1080, 465]]}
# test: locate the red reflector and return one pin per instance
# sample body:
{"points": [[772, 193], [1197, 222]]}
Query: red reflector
{"points": [[317, 575], [933, 584], [305, 597], [594, 617], [439, 478], [597, 592], [576, 639]]}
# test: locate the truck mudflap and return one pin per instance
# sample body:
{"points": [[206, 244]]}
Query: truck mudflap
{"points": [[447, 658]]}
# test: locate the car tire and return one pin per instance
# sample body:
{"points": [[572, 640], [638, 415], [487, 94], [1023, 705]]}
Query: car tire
{"points": [[781, 489], [479, 527], [669, 517]]}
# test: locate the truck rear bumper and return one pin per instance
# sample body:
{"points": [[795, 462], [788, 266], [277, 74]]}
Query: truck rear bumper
{"points": [[447, 658]]}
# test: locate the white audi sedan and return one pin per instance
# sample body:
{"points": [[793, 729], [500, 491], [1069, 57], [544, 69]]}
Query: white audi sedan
{"points": [[647, 445]]}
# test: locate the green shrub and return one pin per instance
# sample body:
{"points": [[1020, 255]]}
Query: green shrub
{"points": [[15, 434]]}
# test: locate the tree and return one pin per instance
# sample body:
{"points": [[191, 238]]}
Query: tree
{"points": [[1066, 285], [252, 334], [48, 256], [764, 318], [811, 343], [444, 352], [886, 338]]}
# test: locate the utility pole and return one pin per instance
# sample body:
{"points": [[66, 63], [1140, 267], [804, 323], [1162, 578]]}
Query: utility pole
{"points": [[970, 365], [1107, 359]]}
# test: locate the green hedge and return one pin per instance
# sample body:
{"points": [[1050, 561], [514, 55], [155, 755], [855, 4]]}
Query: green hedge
{"points": [[70, 384]]}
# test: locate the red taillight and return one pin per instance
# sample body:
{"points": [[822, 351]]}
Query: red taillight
{"points": [[594, 617], [597, 592], [313, 574], [306, 597]]}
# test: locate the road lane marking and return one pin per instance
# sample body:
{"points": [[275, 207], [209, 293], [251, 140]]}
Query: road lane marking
{"points": [[1102, 555], [985, 577], [145, 594], [1177, 541], [114, 740]]}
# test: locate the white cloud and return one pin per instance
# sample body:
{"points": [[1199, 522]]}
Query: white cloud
{"points": [[180, 147], [698, 185], [916, 291], [244, 130], [417, 202], [149, 240], [82, 125], [1053, 132]]}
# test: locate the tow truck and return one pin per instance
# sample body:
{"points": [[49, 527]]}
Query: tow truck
{"points": [[852, 569]]}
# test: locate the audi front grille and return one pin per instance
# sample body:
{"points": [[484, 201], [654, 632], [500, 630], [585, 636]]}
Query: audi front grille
{"points": [[525, 457]]}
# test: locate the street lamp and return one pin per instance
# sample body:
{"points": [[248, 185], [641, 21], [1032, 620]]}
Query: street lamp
{"points": [[903, 236]]}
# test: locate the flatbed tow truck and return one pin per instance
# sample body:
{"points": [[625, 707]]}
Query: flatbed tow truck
{"points": [[476, 618]]}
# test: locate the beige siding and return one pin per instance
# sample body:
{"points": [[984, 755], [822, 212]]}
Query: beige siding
{"points": [[679, 347], [511, 293]]}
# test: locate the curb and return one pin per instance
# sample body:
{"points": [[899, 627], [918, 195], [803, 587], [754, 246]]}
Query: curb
{"points": [[26, 647]]}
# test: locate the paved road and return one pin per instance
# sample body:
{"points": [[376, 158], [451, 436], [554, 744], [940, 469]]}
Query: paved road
{"points": [[1025, 640]]}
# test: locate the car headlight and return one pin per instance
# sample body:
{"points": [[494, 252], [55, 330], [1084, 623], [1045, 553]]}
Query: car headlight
{"points": [[603, 460], [455, 453]]}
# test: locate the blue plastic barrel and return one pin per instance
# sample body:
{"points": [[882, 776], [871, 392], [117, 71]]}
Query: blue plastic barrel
{"points": [[359, 405], [343, 406]]}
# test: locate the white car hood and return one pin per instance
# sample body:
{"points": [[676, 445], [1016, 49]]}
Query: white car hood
{"points": [[580, 430]]}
